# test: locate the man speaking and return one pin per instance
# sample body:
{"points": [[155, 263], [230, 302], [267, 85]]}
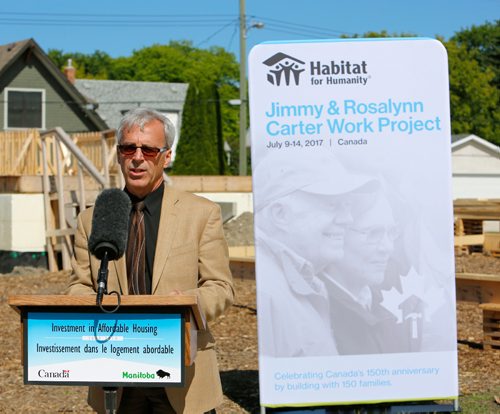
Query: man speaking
{"points": [[175, 245]]}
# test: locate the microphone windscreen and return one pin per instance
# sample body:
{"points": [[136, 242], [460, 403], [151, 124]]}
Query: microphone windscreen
{"points": [[110, 224]]}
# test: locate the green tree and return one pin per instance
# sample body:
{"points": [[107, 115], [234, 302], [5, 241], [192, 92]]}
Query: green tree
{"points": [[175, 62], [474, 56], [483, 42], [94, 66], [198, 150], [474, 100], [204, 68], [381, 34]]}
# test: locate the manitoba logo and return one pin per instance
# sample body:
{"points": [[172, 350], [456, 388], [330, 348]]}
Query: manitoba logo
{"points": [[163, 374], [284, 67]]}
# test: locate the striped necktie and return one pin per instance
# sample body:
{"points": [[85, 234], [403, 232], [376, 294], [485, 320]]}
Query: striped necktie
{"points": [[136, 251]]}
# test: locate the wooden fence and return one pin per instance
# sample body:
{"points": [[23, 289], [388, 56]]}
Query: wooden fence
{"points": [[20, 152]]}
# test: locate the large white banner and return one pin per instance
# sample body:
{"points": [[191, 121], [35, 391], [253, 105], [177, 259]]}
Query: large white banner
{"points": [[353, 221]]}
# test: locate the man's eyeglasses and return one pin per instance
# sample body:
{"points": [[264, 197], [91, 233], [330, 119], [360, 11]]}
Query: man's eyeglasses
{"points": [[376, 234], [149, 152]]}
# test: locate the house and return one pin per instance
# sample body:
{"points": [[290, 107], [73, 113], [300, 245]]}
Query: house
{"points": [[475, 168], [476, 178], [34, 93], [115, 98]]}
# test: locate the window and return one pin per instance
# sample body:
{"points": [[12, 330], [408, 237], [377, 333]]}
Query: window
{"points": [[24, 108]]}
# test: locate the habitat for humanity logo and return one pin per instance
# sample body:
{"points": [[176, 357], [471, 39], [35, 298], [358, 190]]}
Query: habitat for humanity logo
{"points": [[286, 70], [284, 67]]}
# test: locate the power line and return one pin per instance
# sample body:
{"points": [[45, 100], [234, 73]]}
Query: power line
{"points": [[298, 28], [300, 25], [155, 20], [119, 15], [231, 39], [113, 20], [217, 32], [113, 23]]}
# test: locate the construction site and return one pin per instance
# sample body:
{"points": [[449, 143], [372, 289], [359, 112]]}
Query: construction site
{"points": [[47, 178]]}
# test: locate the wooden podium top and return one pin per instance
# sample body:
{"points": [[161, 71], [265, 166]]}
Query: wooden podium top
{"points": [[190, 301]]}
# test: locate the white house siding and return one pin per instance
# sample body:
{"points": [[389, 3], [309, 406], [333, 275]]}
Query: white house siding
{"points": [[476, 170], [22, 223]]}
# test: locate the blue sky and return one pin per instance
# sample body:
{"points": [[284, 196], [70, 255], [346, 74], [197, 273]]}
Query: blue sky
{"points": [[118, 27]]}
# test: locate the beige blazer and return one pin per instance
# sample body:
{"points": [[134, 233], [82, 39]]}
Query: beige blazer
{"points": [[191, 256]]}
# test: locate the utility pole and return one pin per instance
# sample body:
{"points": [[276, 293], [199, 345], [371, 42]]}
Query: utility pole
{"points": [[243, 90]]}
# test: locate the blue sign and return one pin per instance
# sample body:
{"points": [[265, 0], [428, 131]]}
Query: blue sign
{"points": [[105, 349]]}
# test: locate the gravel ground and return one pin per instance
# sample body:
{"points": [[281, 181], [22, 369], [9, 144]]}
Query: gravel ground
{"points": [[239, 231], [236, 334]]}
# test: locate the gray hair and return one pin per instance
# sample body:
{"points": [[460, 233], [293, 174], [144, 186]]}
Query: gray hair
{"points": [[142, 116]]}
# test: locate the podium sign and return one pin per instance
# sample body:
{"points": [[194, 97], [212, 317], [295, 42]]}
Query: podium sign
{"points": [[77, 348], [351, 158], [147, 341]]}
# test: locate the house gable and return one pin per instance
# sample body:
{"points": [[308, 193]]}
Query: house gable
{"points": [[472, 155], [25, 67], [476, 168]]}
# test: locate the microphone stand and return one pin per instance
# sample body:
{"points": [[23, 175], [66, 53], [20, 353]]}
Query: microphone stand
{"points": [[110, 400], [110, 393], [102, 282], [102, 279]]}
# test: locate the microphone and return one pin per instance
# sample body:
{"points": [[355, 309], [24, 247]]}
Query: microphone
{"points": [[108, 237], [110, 224]]}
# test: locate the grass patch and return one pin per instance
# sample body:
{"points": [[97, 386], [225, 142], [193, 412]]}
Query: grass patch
{"points": [[480, 403]]}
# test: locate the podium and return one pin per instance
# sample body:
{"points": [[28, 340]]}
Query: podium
{"points": [[69, 340]]}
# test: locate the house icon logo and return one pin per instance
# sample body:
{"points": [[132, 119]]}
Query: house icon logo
{"points": [[285, 68]]}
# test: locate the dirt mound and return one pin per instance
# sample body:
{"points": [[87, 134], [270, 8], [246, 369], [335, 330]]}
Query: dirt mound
{"points": [[239, 231]]}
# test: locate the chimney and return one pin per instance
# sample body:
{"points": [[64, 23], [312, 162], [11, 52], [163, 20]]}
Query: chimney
{"points": [[70, 72]]}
